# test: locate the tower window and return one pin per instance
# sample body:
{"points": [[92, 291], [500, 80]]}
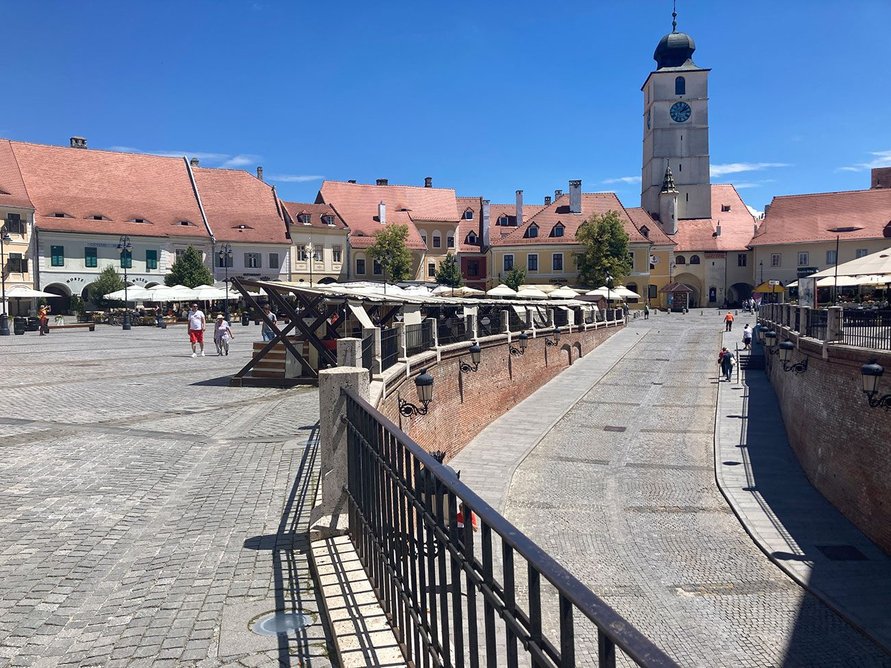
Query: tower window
{"points": [[680, 86]]}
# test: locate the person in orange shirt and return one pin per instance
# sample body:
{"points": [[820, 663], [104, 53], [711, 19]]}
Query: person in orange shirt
{"points": [[728, 322]]}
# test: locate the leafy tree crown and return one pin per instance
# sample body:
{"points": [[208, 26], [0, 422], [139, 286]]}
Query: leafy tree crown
{"points": [[515, 278], [604, 252], [189, 270], [390, 250], [109, 281], [449, 272]]}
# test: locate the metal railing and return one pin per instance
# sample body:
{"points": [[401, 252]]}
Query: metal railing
{"points": [[389, 348], [515, 322], [488, 321], [451, 329], [867, 328], [418, 338], [368, 354], [816, 324], [451, 598]]}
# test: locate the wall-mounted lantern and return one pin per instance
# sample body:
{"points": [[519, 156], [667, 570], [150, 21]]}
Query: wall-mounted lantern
{"points": [[475, 355], [770, 341], [786, 348], [424, 387], [553, 341], [522, 342], [870, 374]]}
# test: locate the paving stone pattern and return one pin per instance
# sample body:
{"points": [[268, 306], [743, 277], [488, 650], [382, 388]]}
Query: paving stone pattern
{"points": [[637, 516], [148, 512]]}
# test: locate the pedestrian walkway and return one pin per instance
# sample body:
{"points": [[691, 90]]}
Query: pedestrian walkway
{"points": [[795, 526], [611, 468]]}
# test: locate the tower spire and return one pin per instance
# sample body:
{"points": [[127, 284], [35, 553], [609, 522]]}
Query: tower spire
{"points": [[668, 180], [674, 16]]}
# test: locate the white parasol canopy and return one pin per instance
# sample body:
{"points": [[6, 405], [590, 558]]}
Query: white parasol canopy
{"points": [[531, 293], [601, 292], [843, 281], [563, 293], [875, 263], [501, 291], [178, 293], [209, 292], [463, 291], [133, 293], [625, 293], [24, 292]]}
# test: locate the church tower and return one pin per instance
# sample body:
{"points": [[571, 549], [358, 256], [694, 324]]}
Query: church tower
{"points": [[675, 128]]}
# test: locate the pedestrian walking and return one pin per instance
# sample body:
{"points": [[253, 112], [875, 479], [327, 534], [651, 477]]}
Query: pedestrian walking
{"points": [[726, 361], [646, 312], [197, 325], [267, 330], [222, 334], [747, 337], [159, 316], [728, 322], [43, 317]]}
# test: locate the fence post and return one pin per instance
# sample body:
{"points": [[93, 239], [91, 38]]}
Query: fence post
{"points": [[530, 321], [329, 517], [570, 318], [434, 328], [834, 327], [470, 325], [400, 338], [349, 352], [505, 320], [376, 355]]}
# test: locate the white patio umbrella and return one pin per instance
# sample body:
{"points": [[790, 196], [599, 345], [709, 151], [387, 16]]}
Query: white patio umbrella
{"points": [[563, 293], [501, 291], [600, 292], [843, 281], [205, 293], [531, 293], [178, 293], [624, 293], [463, 291], [133, 293], [24, 292], [874, 279], [875, 263]]}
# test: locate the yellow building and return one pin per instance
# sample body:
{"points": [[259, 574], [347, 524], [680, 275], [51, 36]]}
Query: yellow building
{"points": [[17, 221]]}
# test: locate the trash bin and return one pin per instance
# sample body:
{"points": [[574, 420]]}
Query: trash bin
{"points": [[19, 324], [245, 319]]}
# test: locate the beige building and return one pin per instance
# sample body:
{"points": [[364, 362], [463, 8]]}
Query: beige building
{"points": [[17, 221], [320, 251]]}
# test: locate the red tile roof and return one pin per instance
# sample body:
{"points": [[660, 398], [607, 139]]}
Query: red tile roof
{"points": [[475, 204], [737, 225], [240, 207], [640, 218], [802, 218], [357, 204], [315, 213], [12, 188], [118, 186]]}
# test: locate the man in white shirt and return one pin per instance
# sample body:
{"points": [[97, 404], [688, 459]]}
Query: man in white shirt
{"points": [[197, 325]]}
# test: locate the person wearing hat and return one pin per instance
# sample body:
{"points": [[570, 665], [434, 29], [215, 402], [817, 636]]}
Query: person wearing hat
{"points": [[222, 334]]}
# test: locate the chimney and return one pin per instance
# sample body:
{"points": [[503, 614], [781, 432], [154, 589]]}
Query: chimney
{"points": [[260, 173], [575, 196], [428, 182], [558, 194], [519, 208], [881, 178], [382, 182], [78, 142], [484, 225], [194, 162], [382, 213], [766, 209], [547, 200], [351, 181]]}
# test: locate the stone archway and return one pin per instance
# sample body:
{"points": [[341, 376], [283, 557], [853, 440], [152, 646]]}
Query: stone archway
{"points": [[568, 350], [694, 284], [738, 292], [62, 302], [577, 346]]}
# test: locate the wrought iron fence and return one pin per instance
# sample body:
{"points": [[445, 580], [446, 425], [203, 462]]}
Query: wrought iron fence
{"points": [[488, 321], [515, 322], [867, 328], [796, 320], [451, 329], [418, 338], [454, 599], [389, 348], [816, 324], [561, 317], [368, 354]]}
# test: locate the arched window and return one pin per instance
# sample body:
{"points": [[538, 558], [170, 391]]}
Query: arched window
{"points": [[680, 86], [558, 230], [468, 214], [531, 231], [680, 259], [437, 240], [694, 259]]}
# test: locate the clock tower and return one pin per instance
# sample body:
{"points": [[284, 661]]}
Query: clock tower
{"points": [[675, 128]]}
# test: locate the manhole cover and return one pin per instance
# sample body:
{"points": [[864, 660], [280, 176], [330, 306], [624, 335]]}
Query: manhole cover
{"points": [[274, 623]]}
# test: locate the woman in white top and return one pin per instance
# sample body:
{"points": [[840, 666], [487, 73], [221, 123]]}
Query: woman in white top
{"points": [[222, 333]]}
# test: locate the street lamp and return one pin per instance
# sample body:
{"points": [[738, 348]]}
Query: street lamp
{"points": [[609, 281], [4, 318], [126, 249], [424, 387], [226, 257], [475, 355], [786, 348], [838, 230], [523, 341], [310, 249], [870, 374]]}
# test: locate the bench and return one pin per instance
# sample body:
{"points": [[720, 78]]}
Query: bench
{"points": [[81, 325]]}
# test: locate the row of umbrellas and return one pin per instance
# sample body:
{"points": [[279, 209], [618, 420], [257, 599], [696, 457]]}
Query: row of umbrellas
{"points": [[529, 292], [177, 293]]}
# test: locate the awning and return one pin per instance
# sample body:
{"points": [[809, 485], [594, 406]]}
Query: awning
{"points": [[359, 311], [767, 287]]}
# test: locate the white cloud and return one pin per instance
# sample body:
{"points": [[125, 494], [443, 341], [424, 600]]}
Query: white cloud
{"points": [[209, 159], [737, 167], [623, 179], [881, 159], [747, 184], [241, 160], [295, 178], [755, 212]]}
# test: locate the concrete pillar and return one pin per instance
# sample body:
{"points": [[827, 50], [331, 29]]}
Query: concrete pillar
{"points": [[530, 321], [570, 318], [433, 325], [349, 352], [834, 327], [470, 326], [400, 338], [505, 321], [376, 355], [330, 515]]}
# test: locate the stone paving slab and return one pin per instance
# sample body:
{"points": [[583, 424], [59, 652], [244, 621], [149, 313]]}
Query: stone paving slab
{"points": [[759, 474]]}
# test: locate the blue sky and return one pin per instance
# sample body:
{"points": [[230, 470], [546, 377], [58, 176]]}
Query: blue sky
{"points": [[485, 97]]}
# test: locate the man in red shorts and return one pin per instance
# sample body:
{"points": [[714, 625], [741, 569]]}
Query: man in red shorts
{"points": [[197, 325]]}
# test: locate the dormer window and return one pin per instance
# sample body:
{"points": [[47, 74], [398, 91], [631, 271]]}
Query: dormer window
{"points": [[184, 223], [468, 214], [725, 208], [503, 220], [328, 219], [472, 239], [59, 215], [645, 231], [143, 220], [304, 218], [98, 216], [242, 226], [531, 231], [558, 230]]}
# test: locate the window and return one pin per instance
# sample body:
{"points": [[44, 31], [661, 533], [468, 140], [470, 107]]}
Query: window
{"points": [[508, 262], [471, 238], [58, 256], [725, 208], [317, 252], [17, 264], [645, 231], [437, 240], [151, 259], [336, 254], [126, 259], [831, 257], [273, 261], [223, 261], [14, 223], [558, 231], [473, 268], [680, 259], [376, 268], [531, 231], [431, 269], [328, 220], [557, 262], [450, 241], [631, 259], [59, 215], [424, 237], [741, 260], [694, 259], [179, 253], [776, 260], [252, 260], [532, 262], [503, 220], [360, 266], [302, 255], [652, 291], [803, 259], [680, 86], [861, 252], [303, 218], [90, 257], [468, 214]]}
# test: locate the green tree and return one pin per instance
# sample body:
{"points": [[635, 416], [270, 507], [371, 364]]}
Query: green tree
{"points": [[390, 251], [515, 278], [109, 281], [449, 272], [189, 270], [604, 250]]}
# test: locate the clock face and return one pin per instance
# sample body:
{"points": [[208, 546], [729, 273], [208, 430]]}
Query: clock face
{"points": [[680, 112]]}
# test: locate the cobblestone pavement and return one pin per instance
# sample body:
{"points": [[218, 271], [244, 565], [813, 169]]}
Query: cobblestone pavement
{"points": [[638, 518], [149, 512]]}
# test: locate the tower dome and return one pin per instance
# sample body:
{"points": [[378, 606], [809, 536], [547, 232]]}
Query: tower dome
{"points": [[674, 50]]}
